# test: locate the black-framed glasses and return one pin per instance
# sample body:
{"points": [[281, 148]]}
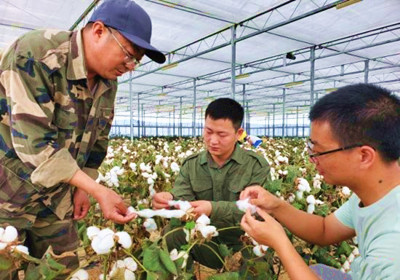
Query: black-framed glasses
{"points": [[129, 59], [311, 154]]}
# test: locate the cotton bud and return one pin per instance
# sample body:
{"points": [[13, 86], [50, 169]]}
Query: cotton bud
{"points": [[9, 235], [346, 191], [21, 249]]}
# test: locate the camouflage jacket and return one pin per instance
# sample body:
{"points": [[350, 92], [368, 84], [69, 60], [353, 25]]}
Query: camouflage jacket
{"points": [[51, 124]]}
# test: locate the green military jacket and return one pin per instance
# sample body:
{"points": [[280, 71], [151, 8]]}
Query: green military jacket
{"points": [[51, 124], [201, 179]]}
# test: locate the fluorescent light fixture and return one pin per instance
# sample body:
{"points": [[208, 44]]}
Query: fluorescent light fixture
{"points": [[162, 94], [292, 84], [328, 90], [169, 66], [242, 76], [346, 3]]}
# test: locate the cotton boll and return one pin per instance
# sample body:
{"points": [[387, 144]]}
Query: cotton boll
{"points": [[258, 251], [182, 205], [175, 167], [346, 191], [130, 264], [150, 225], [203, 219], [310, 199], [124, 239], [92, 231], [80, 275], [208, 231], [3, 245], [103, 241], [9, 235], [244, 204], [133, 166], [129, 275], [22, 249], [310, 208], [146, 213], [346, 265], [130, 210]]}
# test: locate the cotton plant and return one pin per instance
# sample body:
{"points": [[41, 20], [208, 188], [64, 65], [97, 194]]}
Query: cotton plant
{"points": [[103, 240], [175, 255], [203, 226], [123, 269], [9, 240], [81, 274]]}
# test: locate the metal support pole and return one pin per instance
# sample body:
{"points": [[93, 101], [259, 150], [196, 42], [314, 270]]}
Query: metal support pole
{"points": [[138, 115], [180, 116], [366, 71], [297, 121], [194, 109], [283, 111], [244, 107], [130, 107], [169, 124], [142, 121], [273, 120], [233, 62], [173, 124], [144, 125], [265, 126], [248, 118], [312, 74]]}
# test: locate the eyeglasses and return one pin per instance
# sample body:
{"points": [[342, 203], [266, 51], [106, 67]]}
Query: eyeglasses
{"points": [[310, 147], [129, 59]]}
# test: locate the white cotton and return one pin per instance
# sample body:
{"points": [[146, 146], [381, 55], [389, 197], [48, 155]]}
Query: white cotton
{"points": [[130, 264], [171, 213], [303, 185], [317, 184], [81, 274], [9, 235], [346, 191], [124, 239], [92, 231], [133, 166], [351, 258], [174, 255], [291, 198], [3, 245], [207, 231], [310, 199], [103, 241], [346, 265], [258, 251], [299, 195], [355, 251], [310, 208], [130, 210], [22, 249], [182, 205], [150, 225], [129, 275], [146, 175], [203, 219], [175, 167], [152, 191], [150, 181], [318, 202], [146, 213], [154, 176], [244, 204]]}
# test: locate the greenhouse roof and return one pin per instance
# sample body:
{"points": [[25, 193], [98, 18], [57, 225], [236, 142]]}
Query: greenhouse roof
{"points": [[282, 55]]}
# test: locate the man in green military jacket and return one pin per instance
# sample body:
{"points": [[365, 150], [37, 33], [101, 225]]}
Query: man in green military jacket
{"points": [[212, 180], [57, 92]]}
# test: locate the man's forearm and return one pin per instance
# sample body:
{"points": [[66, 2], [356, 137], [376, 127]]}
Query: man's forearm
{"points": [[306, 226], [82, 181]]}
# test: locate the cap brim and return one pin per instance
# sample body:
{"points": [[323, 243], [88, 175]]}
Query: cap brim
{"points": [[151, 51]]}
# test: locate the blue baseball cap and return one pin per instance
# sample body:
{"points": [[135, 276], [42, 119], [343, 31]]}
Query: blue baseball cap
{"points": [[131, 21]]}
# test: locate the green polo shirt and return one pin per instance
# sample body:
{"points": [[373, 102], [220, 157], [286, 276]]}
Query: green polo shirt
{"points": [[200, 178]]}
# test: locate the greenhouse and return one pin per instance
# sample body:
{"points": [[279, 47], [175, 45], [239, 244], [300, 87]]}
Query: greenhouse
{"points": [[276, 58]]}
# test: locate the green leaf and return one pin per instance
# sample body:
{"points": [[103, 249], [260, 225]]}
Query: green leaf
{"points": [[5, 263], [225, 276], [151, 259], [190, 225], [224, 250], [344, 248], [323, 256], [274, 186], [167, 262]]}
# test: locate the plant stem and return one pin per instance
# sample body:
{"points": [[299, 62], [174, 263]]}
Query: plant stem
{"points": [[136, 260]]}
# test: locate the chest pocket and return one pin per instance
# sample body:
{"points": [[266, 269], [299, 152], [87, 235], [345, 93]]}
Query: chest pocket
{"points": [[202, 187], [104, 116]]}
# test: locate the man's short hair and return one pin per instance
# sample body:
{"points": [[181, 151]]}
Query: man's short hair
{"points": [[226, 108], [362, 114]]}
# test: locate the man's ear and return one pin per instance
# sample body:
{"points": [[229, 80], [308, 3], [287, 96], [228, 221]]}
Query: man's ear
{"points": [[368, 156], [239, 132], [98, 30]]}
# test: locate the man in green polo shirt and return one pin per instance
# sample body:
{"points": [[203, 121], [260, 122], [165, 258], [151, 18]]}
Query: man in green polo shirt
{"points": [[212, 180]]}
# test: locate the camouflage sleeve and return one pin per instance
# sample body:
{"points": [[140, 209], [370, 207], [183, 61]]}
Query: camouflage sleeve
{"points": [[34, 137]]}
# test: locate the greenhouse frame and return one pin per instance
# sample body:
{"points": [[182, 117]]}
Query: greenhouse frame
{"points": [[275, 57]]}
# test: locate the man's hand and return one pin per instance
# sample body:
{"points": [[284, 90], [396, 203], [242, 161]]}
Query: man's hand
{"points": [[112, 205], [269, 232], [81, 204], [160, 200], [201, 207], [261, 198]]}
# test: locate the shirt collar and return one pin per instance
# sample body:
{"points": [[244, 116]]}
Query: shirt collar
{"points": [[76, 69], [237, 156]]}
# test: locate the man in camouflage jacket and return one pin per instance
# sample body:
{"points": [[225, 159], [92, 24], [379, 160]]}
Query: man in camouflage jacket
{"points": [[57, 92]]}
